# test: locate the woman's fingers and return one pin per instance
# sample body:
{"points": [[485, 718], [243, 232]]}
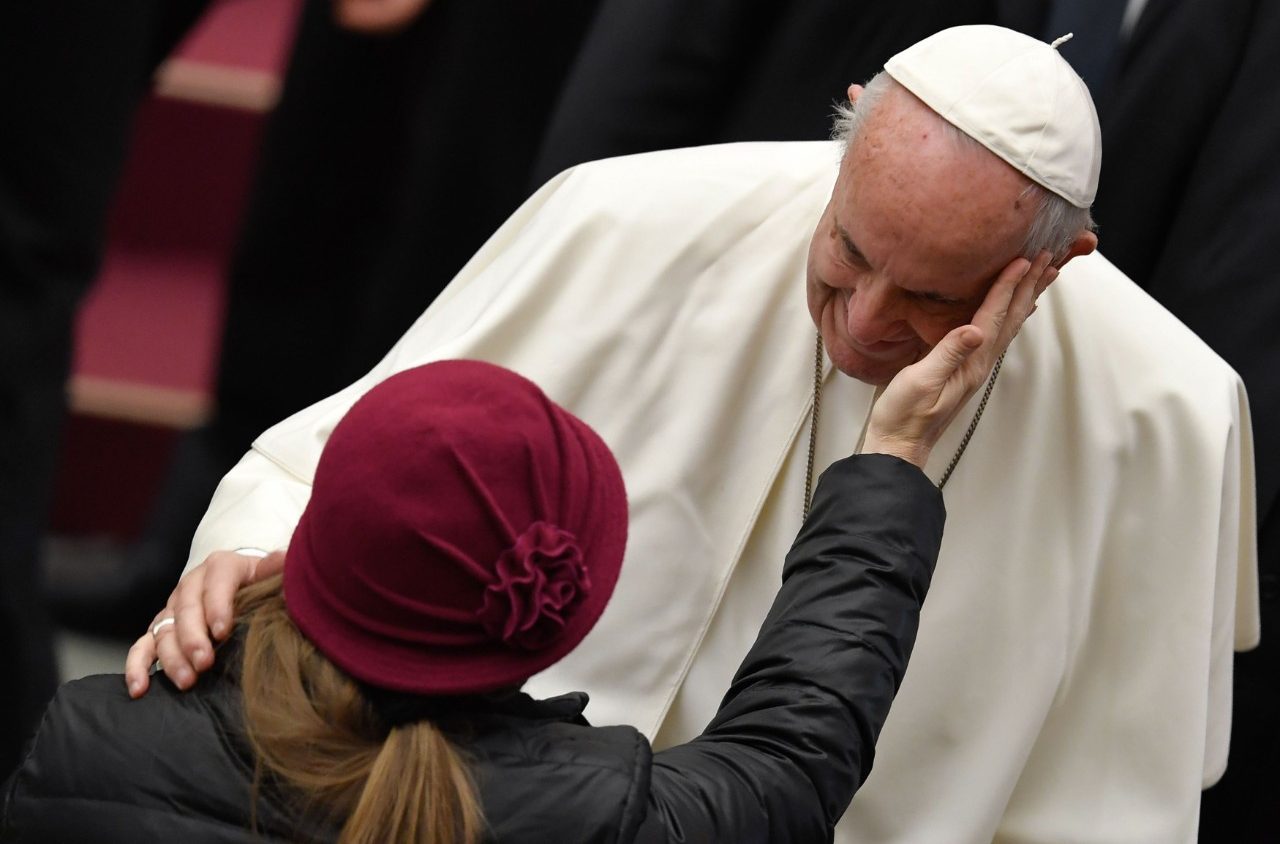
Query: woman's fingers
{"points": [[991, 314], [922, 400], [1037, 279], [946, 358], [1008, 304], [1014, 291]]}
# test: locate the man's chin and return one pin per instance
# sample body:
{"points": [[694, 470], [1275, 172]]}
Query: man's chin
{"points": [[876, 377], [866, 369]]}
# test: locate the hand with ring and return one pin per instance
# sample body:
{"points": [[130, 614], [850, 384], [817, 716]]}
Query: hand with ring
{"points": [[160, 625], [199, 613]]}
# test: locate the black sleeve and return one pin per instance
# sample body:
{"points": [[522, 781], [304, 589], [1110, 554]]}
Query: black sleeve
{"points": [[795, 735]]}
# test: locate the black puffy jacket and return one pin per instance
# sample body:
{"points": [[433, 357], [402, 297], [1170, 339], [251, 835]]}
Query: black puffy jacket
{"points": [[792, 741]]}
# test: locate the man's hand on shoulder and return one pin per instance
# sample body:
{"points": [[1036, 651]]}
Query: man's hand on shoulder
{"points": [[199, 612]]}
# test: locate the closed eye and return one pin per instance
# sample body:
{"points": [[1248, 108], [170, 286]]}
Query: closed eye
{"points": [[850, 250], [935, 298], [932, 297]]}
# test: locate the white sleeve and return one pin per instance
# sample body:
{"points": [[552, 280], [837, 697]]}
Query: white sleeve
{"points": [[1236, 614], [576, 284], [256, 506], [260, 500]]}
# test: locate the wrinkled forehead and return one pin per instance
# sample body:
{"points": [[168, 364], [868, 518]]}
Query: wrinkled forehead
{"points": [[919, 201]]}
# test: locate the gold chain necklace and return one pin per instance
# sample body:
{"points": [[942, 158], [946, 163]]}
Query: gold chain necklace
{"points": [[817, 406]]}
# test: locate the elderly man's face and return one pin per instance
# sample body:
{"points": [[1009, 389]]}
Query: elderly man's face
{"points": [[916, 232]]}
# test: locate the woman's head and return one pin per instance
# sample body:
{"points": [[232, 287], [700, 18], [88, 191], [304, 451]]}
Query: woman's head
{"points": [[464, 532]]}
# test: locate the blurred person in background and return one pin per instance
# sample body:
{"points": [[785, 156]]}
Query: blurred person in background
{"points": [[380, 173], [384, 132], [71, 75], [662, 74]]}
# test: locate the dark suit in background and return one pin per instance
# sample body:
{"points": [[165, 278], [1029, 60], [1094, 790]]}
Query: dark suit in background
{"points": [[386, 165], [660, 74], [1189, 206]]}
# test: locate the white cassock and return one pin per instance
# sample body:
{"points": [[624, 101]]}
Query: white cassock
{"points": [[1072, 677]]}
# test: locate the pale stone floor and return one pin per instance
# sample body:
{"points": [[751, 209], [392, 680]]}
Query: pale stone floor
{"points": [[80, 655]]}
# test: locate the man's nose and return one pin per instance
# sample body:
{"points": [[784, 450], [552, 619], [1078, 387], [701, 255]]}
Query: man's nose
{"points": [[872, 313]]}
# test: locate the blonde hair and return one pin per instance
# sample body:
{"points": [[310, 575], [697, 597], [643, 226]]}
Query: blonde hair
{"points": [[313, 731]]}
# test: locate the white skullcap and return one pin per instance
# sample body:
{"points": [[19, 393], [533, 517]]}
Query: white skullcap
{"points": [[1014, 95]]}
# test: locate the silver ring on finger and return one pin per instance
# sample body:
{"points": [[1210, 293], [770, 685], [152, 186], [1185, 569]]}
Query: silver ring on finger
{"points": [[160, 625]]}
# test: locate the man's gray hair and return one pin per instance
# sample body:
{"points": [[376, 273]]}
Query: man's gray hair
{"points": [[1057, 222]]}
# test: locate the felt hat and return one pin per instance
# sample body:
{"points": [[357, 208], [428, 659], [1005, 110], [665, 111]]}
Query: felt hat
{"points": [[463, 533], [1016, 96]]}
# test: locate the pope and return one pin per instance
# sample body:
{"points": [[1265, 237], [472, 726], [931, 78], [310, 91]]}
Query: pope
{"points": [[1071, 679]]}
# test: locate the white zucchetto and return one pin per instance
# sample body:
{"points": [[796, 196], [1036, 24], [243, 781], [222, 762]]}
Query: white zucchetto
{"points": [[1016, 96]]}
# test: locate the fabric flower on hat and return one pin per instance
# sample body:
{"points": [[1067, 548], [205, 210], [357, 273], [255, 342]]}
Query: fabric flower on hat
{"points": [[464, 532], [541, 581]]}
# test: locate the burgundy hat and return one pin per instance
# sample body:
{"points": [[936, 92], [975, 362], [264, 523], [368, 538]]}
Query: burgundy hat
{"points": [[464, 532]]}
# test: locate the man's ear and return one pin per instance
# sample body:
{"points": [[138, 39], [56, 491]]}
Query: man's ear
{"points": [[1084, 244], [854, 91]]}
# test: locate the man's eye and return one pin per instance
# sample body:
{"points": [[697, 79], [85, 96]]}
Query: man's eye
{"points": [[855, 258], [934, 299]]}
